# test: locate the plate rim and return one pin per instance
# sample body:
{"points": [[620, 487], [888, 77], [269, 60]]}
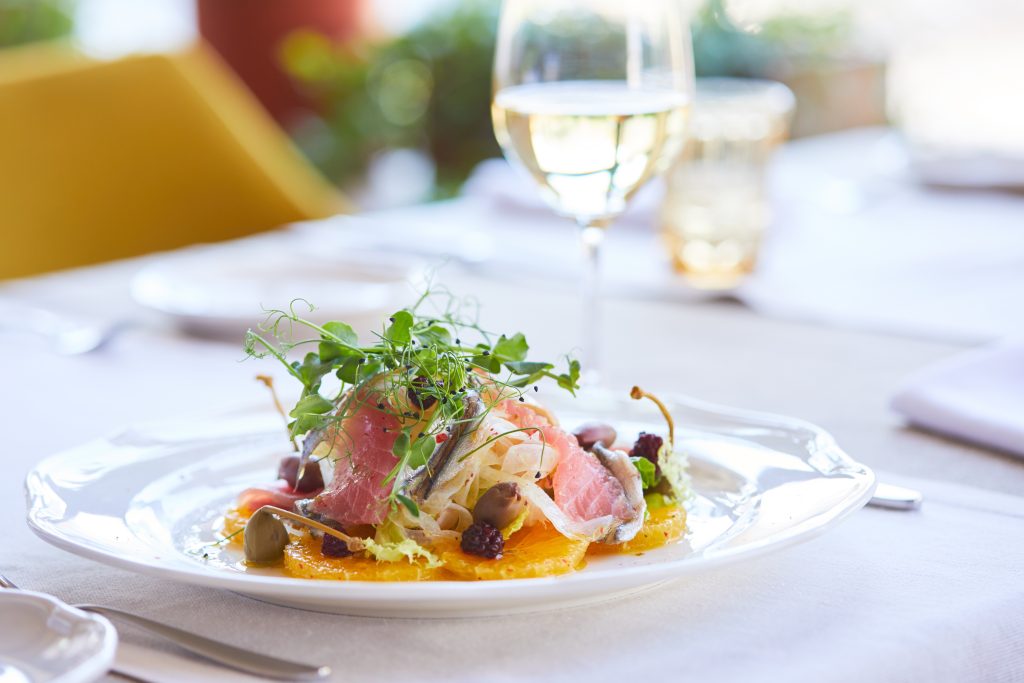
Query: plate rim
{"points": [[431, 591]]}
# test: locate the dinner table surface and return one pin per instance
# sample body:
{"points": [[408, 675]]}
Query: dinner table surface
{"points": [[723, 625]]}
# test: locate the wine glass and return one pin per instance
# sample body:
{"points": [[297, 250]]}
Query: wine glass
{"points": [[591, 99]]}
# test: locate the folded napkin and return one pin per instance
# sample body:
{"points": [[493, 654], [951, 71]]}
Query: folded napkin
{"points": [[968, 169], [977, 396]]}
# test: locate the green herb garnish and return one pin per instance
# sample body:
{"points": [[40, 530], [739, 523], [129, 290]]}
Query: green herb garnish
{"points": [[673, 482], [648, 472], [417, 369]]}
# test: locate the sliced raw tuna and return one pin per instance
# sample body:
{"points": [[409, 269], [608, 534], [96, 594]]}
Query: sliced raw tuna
{"points": [[522, 415], [584, 488], [356, 495]]}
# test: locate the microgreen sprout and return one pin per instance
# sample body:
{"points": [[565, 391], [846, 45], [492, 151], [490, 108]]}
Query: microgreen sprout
{"points": [[417, 368], [268, 382]]}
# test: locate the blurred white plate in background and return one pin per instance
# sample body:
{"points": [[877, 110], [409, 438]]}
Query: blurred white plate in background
{"points": [[221, 293], [42, 639]]}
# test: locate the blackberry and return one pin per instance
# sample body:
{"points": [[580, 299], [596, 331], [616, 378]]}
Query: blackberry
{"points": [[647, 447], [332, 546], [484, 540]]}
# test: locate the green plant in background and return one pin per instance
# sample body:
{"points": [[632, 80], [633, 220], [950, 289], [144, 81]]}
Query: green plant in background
{"points": [[720, 48], [431, 88], [26, 21]]}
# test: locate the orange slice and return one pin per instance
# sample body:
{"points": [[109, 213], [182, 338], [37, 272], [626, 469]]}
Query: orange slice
{"points": [[533, 552], [663, 526], [303, 559], [536, 551], [233, 523]]}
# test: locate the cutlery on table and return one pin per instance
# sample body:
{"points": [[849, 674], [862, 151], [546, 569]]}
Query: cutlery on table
{"points": [[893, 497], [222, 653], [67, 335]]}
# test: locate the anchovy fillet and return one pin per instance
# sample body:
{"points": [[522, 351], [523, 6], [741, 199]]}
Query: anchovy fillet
{"points": [[625, 472], [446, 456]]}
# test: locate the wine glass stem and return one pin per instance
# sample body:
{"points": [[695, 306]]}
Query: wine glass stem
{"points": [[591, 237]]}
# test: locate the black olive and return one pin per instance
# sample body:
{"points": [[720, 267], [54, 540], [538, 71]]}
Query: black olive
{"points": [[590, 433], [417, 394], [312, 477], [500, 505]]}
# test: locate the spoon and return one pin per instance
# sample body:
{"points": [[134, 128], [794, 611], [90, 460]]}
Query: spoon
{"points": [[222, 653], [12, 674]]}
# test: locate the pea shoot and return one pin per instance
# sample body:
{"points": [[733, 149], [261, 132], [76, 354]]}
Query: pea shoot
{"points": [[417, 368]]}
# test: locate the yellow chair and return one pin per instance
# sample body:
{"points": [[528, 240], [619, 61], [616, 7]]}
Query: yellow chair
{"points": [[103, 160]]}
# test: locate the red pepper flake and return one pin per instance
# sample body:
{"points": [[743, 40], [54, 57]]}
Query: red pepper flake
{"points": [[441, 438]]}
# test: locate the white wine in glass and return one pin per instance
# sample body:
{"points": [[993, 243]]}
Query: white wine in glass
{"points": [[591, 99]]}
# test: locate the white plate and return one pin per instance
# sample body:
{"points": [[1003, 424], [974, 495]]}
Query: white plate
{"points": [[218, 292], [43, 640], [148, 499]]}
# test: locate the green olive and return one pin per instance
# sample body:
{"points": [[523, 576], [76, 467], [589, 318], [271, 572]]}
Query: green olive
{"points": [[265, 537]]}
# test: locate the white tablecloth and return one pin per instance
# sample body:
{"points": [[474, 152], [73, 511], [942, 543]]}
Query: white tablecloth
{"points": [[936, 595], [886, 596]]}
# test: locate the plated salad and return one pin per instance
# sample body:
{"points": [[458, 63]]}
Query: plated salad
{"points": [[426, 453]]}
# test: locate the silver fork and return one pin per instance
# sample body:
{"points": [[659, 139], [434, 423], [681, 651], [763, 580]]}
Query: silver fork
{"points": [[222, 653]]}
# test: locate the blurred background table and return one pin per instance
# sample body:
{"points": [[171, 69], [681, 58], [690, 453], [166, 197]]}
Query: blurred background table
{"points": [[723, 352]]}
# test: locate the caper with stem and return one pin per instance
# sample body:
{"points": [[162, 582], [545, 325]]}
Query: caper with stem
{"points": [[637, 393], [265, 536]]}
